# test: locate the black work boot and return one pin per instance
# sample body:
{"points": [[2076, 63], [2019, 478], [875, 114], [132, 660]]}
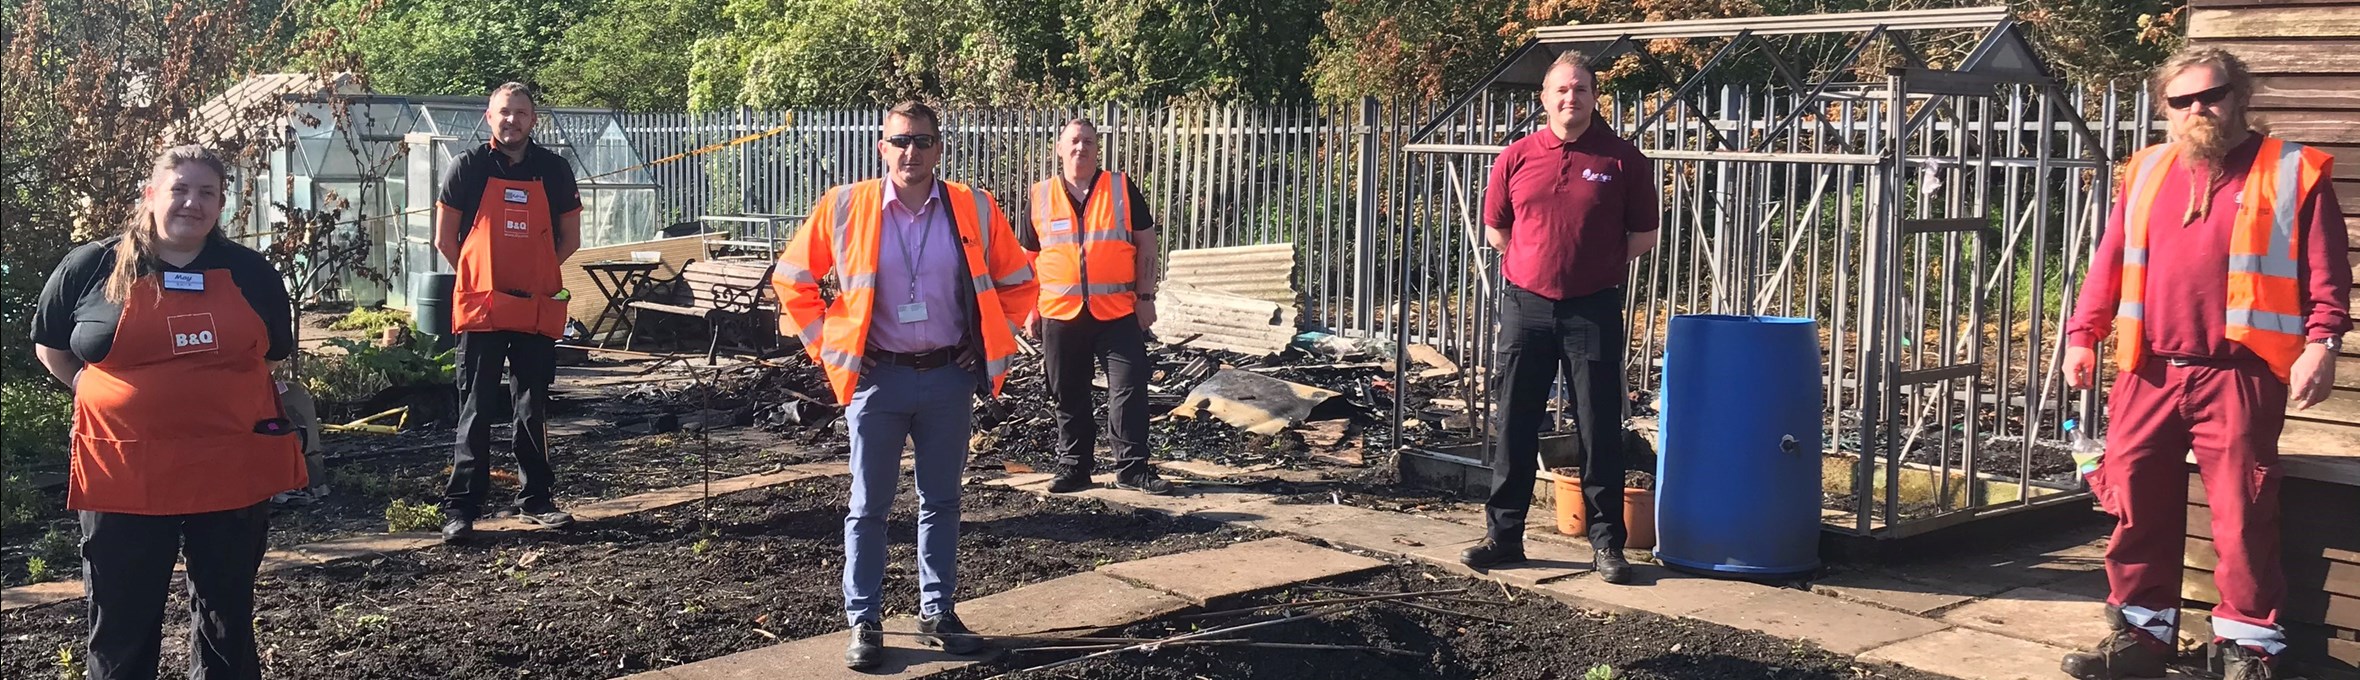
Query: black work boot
{"points": [[2127, 652], [946, 631], [1149, 484], [2239, 662], [1492, 552], [1612, 567], [867, 648], [1069, 482], [456, 530]]}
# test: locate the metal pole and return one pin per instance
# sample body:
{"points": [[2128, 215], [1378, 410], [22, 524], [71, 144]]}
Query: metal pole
{"points": [[1365, 231]]}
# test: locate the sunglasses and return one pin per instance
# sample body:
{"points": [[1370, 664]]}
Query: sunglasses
{"points": [[2187, 101], [904, 141]]}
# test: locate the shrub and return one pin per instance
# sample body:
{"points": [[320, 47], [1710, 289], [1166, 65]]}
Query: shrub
{"points": [[372, 319], [402, 516]]}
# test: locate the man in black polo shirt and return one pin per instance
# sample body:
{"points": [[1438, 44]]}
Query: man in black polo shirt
{"points": [[508, 215]]}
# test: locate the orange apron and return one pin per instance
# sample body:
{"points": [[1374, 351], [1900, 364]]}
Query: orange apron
{"points": [[164, 425], [508, 278]]}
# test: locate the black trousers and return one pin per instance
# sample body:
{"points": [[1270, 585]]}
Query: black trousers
{"points": [[1072, 350], [1538, 337], [531, 361], [127, 572]]}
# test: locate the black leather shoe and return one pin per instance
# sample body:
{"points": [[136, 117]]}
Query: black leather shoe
{"points": [[1490, 553], [458, 530], [1611, 566], [867, 648], [1147, 484], [544, 513], [1069, 483], [947, 632]]}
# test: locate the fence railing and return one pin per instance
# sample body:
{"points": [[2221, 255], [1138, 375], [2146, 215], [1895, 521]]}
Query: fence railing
{"points": [[1390, 247]]}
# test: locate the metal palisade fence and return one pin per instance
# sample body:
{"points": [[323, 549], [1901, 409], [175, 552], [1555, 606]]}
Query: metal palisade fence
{"points": [[1999, 199]]}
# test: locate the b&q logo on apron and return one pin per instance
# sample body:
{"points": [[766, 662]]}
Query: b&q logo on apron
{"points": [[192, 333]]}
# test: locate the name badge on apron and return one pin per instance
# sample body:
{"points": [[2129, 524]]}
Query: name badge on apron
{"points": [[189, 281], [910, 313]]}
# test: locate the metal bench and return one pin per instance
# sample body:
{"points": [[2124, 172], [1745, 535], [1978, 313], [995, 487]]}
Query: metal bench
{"points": [[724, 293]]}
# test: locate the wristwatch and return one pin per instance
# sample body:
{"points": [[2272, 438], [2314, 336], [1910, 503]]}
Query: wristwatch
{"points": [[1146, 297], [2334, 344]]}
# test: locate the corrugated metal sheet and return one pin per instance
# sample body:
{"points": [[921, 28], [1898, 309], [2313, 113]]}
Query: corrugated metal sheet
{"points": [[1264, 272], [1212, 319]]}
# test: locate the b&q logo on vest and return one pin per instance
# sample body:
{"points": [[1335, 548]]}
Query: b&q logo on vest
{"points": [[192, 333], [513, 224]]}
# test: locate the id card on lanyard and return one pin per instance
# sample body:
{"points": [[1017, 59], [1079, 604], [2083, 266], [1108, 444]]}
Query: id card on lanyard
{"points": [[914, 311]]}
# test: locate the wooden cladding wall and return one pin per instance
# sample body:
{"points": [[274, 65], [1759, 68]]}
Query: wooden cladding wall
{"points": [[2305, 56]]}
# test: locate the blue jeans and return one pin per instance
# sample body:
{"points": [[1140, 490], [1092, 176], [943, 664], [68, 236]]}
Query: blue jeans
{"points": [[933, 410]]}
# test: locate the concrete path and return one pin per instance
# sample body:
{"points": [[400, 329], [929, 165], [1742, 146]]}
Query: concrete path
{"points": [[1113, 596], [2001, 619]]}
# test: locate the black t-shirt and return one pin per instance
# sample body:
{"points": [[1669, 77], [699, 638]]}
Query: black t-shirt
{"points": [[1141, 220], [464, 182], [73, 313]]}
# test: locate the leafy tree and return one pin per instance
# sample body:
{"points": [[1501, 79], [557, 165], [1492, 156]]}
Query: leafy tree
{"points": [[453, 47], [1203, 49], [630, 54]]}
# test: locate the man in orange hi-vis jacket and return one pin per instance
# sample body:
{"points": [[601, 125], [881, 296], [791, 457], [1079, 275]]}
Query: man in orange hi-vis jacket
{"points": [[2223, 279], [930, 284]]}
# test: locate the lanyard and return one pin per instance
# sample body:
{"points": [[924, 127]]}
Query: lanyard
{"points": [[923, 217]]}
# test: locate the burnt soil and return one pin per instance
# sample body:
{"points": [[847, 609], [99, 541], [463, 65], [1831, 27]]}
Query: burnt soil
{"points": [[617, 597], [367, 473], [1535, 638]]}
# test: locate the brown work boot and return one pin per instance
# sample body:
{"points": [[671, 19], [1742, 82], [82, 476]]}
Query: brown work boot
{"points": [[2127, 652], [2239, 662]]}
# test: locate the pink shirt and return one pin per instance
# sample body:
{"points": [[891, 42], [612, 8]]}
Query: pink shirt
{"points": [[924, 242]]}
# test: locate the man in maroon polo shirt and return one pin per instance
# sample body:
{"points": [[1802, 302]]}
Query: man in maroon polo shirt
{"points": [[2223, 277], [1569, 205]]}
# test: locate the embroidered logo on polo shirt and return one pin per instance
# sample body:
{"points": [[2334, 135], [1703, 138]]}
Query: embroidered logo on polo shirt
{"points": [[1596, 176], [192, 333]]}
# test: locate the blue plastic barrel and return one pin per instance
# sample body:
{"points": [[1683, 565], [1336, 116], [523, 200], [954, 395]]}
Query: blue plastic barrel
{"points": [[1737, 479]]}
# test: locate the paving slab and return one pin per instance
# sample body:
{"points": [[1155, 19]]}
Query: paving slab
{"points": [[1882, 590], [1180, 502], [39, 594], [1209, 575], [1969, 654], [1080, 603], [1841, 627], [2036, 614], [1545, 561], [820, 657], [1654, 589], [1392, 533], [1270, 515]]}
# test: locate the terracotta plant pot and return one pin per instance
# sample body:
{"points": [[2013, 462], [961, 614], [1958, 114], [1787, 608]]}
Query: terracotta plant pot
{"points": [[1638, 513]]}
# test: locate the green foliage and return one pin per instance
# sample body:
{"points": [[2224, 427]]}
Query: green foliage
{"points": [[363, 369], [35, 421], [61, 545], [1600, 672], [455, 47], [371, 319], [593, 65], [402, 516], [1130, 50], [68, 666]]}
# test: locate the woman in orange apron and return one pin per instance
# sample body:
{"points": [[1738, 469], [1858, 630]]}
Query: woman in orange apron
{"points": [[166, 334]]}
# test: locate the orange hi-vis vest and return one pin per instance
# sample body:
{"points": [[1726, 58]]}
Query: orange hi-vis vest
{"points": [[841, 239], [1089, 257], [2265, 303]]}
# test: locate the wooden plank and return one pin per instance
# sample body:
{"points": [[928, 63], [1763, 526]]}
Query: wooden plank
{"points": [[2289, 91], [2320, 451], [2347, 166], [2305, 607], [588, 301], [2277, 20], [2312, 127], [2268, 56], [2343, 407]]}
